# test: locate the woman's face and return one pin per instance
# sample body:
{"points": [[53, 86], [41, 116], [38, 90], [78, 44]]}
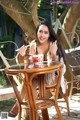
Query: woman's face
{"points": [[43, 33]]}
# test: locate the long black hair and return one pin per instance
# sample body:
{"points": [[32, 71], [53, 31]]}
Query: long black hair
{"points": [[53, 37]]}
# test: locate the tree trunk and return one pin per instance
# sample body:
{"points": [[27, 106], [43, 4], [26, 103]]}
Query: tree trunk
{"points": [[69, 23], [34, 13], [17, 12]]}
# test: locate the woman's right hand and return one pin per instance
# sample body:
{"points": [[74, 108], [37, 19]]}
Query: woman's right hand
{"points": [[22, 50], [53, 48]]}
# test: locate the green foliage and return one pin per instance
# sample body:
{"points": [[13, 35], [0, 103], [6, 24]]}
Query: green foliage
{"points": [[78, 27], [10, 24], [3, 82], [5, 38], [44, 4], [61, 8], [39, 3], [6, 47], [5, 106]]}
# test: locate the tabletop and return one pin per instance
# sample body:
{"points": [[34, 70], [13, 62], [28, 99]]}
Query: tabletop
{"points": [[34, 67]]}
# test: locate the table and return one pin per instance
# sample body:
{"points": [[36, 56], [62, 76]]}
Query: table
{"points": [[27, 72]]}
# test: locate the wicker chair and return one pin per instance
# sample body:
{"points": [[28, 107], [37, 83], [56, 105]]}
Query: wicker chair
{"points": [[73, 60]]}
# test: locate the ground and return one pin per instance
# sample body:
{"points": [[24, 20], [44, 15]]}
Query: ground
{"points": [[74, 110]]}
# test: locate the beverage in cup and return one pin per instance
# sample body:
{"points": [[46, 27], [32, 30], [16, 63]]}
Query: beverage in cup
{"points": [[38, 58]]}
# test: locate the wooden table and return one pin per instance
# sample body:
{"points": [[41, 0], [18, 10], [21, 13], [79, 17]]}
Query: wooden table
{"points": [[29, 71]]}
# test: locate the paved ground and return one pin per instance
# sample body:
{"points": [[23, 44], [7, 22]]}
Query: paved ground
{"points": [[74, 110]]}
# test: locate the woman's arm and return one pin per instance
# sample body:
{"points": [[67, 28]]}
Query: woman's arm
{"points": [[25, 52], [21, 54], [64, 85]]}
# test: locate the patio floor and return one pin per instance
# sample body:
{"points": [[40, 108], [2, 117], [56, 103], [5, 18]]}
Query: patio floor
{"points": [[74, 104], [74, 110]]}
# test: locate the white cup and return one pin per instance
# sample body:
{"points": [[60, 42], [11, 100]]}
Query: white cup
{"points": [[38, 58]]}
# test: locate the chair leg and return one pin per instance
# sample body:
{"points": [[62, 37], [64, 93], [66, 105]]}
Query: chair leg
{"points": [[70, 94], [67, 102], [65, 96], [19, 114], [58, 111]]}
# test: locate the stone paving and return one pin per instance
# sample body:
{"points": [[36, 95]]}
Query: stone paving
{"points": [[74, 104], [74, 110]]}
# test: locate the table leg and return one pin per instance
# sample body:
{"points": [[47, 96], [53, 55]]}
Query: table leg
{"points": [[45, 114], [34, 115], [41, 85]]}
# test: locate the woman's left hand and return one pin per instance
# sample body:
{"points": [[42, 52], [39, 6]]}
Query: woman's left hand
{"points": [[53, 48]]}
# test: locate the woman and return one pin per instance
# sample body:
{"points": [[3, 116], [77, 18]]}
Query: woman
{"points": [[46, 43]]}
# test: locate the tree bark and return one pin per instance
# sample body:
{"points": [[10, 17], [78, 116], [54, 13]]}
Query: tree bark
{"points": [[34, 13], [17, 12], [70, 21]]}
